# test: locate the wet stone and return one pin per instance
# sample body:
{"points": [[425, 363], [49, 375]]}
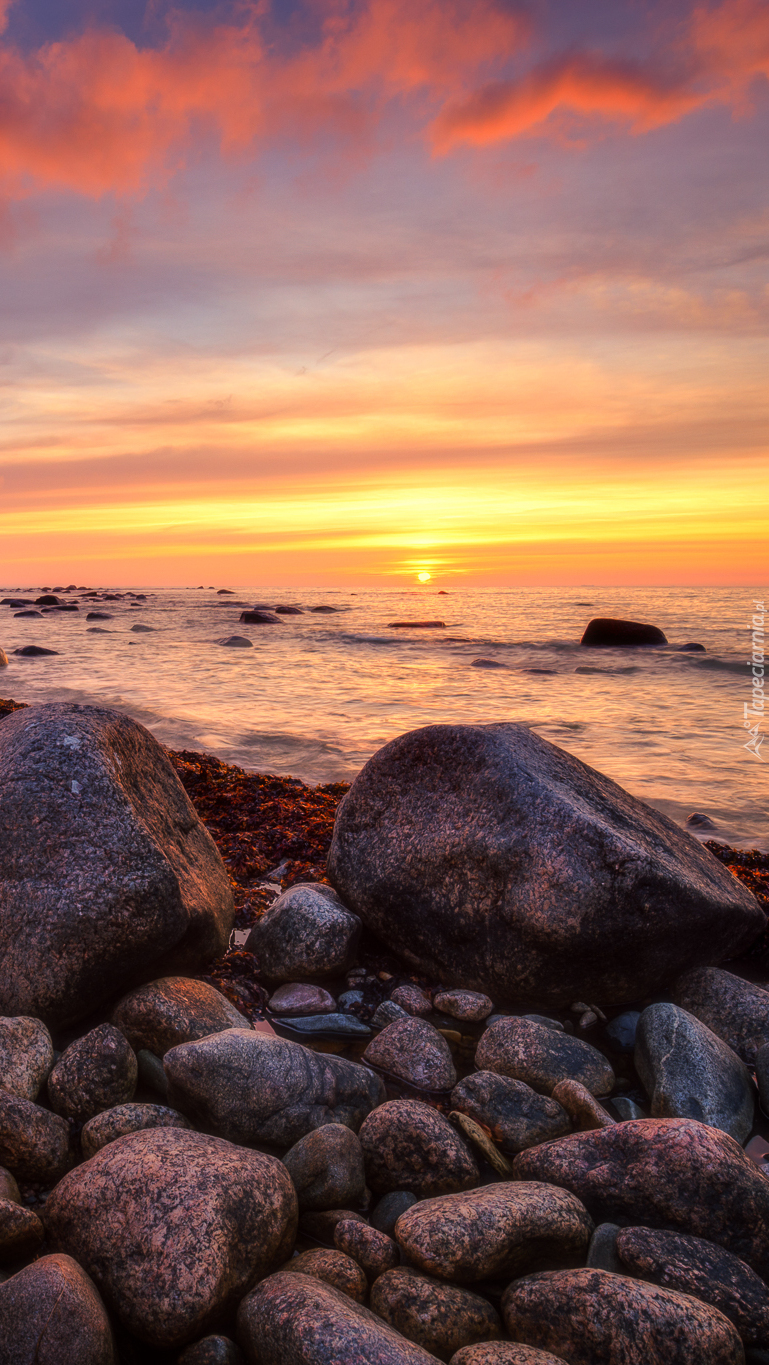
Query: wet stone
{"points": [[621, 1030], [127, 1118], [592, 1317], [26, 1056], [407, 1145], [298, 998], [440, 1317], [515, 1115], [389, 1209], [174, 1010], [343, 1025], [537, 1055], [51, 1314], [95, 1072], [334, 1268], [374, 1252], [698, 1267], [34, 1144], [388, 1013], [495, 1231], [471, 1006], [326, 1167], [688, 1072], [414, 1051]]}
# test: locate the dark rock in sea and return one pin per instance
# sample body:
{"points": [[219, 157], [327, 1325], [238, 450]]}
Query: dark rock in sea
{"points": [[414, 1051], [225, 592], [495, 1231], [592, 1317], [173, 1010], [515, 1115], [504, 1353], [417, 625], [34, 1143], [326, 1166], [325, 610], [26, 1056], [212, 1350], [707, 1272], [698, 821], [289, 611], [51, 1314], [688, 1072], [604, 632], [127, 1118], [34, 651], [107, 876], [440, 1317], [297, 1320], [68, 606], [487, 663], [307, 933], [735, 1010], [486, 857], [665, 1173], [533, 1053], [251, 1088], [300, 998], [139, 629], [48, 599], [374, 1251], [332, 1267], [98, 630], [200, 1220], [3, 659], [692, 648], [236, 642], [388, 1210], [259, 618], [29, 613], [21, 1232], [408, 1145], [95, 1072]]}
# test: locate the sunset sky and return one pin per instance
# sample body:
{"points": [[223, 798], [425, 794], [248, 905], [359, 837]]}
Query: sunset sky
{"points": [[335, 293]]}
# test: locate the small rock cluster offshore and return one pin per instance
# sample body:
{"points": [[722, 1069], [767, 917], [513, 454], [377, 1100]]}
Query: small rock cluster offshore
{"points": [[536, 1142]]}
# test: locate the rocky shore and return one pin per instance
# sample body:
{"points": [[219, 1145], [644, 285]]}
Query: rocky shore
{"points": [[480, 1078]]}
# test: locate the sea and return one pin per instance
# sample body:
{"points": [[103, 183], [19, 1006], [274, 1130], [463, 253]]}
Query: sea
{"points": [[320, 691]]}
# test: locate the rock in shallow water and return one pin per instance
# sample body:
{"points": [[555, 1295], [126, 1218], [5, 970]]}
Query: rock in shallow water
{"points": [[307, 933], [440, 1317], [407, 1145], [200, 1220], [690, 1073], [106, 872], [295, 1320], [495, 1231], [668, 1173], [592, 1317], [485, 857], [51, 1314], [540, 1057], [251, 1088]]}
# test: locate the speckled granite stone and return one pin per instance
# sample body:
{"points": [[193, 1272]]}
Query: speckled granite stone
{"points": [[538, 1055], [26, 1056], [374, 1251], [199, 1221], [737, 1011], [21, 1231], [407, 1145], [127, 1118], [34, 1143], [326, 1167], [516, 1116], [495, 1232], [592, 1317], [296, 1320], [487, 858], [334, 1268], [107, 876], [94, 1073], [669, 1173], [307, 933], [173, 1010], [51, 1314], [441, 1317], [504, 1353], [415, 1052]]}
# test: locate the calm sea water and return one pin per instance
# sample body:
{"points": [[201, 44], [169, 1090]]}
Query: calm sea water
{"points": [[319, 693]]}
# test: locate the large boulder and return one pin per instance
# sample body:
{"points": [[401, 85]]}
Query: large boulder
{"points": [[674, 1174], [51, 1314], [252, 1088], [608, 632], [174, 1227], [107, 876], [484, 856]]}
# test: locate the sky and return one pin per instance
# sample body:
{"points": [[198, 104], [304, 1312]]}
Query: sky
{"points": [[344, 291]]}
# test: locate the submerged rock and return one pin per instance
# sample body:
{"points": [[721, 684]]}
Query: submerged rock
{"points": [[106, 873], [486, 857]]}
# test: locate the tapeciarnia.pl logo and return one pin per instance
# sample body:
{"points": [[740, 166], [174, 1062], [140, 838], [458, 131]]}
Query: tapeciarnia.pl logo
{"points": [[753, 711]]}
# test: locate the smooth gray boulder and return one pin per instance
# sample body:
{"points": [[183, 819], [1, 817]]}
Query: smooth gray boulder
{"points": [[735, 1010], [306, 934], [486, 857], [107, 876], [689, 1073], [252, 1088]]}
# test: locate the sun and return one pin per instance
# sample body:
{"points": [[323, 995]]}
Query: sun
{"points": [[424, 576]]}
